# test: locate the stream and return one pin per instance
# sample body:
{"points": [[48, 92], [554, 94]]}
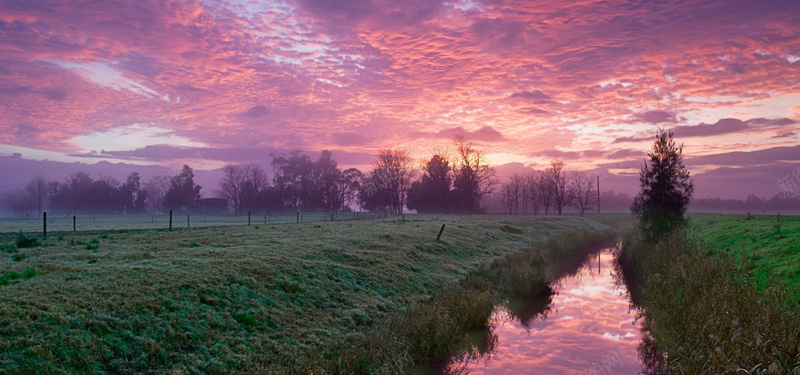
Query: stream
{"points": [[585, 328]]}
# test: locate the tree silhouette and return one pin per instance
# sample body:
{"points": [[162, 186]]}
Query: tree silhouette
{"points": [[432, 192], [582, 188], [666, 189], [181, 189], [555, 179], [388, 183], [474, 178]]}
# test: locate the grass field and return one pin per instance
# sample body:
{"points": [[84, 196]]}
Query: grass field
{"points": [[222, 299], [64, 223], [768, 245]]}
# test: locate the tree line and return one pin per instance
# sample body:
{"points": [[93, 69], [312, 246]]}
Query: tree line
{"points": [[551, 189], [456, 184], [447, 184], [79, 193]]}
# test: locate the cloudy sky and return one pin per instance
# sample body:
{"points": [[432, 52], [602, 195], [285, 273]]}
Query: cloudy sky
{"points": [[152, 82]]}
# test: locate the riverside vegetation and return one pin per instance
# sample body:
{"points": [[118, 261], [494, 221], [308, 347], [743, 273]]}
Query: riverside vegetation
{"points": [[720, 297], [338, 297]]}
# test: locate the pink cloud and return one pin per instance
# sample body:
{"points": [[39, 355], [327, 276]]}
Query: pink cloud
{"points": [[313, 74]]}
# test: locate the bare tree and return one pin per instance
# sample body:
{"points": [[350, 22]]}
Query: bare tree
{"points": [[474, 178], [19, 202], [582, 189], [531, 194], [230, 186], [543, 186], [254, 183], [556, 180], [38, 191], [347, 184], [392, 173]]}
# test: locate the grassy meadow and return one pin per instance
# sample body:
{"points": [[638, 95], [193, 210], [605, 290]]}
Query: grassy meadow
{"points": [[272, 298], [768, 246], [719, 298]]}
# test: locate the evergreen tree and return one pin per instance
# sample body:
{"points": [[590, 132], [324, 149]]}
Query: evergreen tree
{"points": [[181, 189], [666, 189]]}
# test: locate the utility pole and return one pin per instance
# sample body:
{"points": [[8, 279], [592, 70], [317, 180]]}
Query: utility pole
{"points": [[598, 194]]}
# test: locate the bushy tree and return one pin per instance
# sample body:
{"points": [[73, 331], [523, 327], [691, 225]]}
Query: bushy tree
{"points": [[293, 178], [181, 189], [432, 193], [666, 188]]}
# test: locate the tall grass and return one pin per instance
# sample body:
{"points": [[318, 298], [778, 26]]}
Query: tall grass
{"points": [[434, 334], [704, 313]]}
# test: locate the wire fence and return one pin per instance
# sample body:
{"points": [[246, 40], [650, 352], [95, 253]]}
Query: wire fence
{"points": [[81, 223]]}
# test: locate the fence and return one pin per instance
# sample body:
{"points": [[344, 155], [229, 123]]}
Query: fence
{"points": [[70, 223]]}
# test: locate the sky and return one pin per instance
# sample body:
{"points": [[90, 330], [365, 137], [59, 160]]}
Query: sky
{"points": [[156, 82]]}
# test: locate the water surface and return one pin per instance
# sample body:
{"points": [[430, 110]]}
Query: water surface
{"points": [[585, 329]]}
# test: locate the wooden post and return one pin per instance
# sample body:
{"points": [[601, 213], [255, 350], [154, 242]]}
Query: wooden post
{"points": [[170, 219], [248, 217], [298, 216], [74, 223], [598, 194], [357, 214], [187, 222], [440, 233], [44, 224]]}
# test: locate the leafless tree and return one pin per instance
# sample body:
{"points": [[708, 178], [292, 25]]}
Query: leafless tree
{"points": [[346, 185], [19, 202], [582, 189], [511, 193], [531, 192], [38, 191], [253, 183], [556, 181], [545, 197], [393, 173], [474, 178], [230, 186]]}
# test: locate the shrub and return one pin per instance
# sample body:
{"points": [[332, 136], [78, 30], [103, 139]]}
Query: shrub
{"points": [[24, 241], [706, 313], [11, 276]]}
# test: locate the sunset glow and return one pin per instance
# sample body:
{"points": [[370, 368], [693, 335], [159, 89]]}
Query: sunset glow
{"points": [[152, 82]]}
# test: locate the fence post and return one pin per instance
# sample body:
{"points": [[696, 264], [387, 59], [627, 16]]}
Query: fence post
{"points": [[440, 233], [74, 223], [44, 224], [248, 217], [187, 221], [170, 219], [298, 216]]}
